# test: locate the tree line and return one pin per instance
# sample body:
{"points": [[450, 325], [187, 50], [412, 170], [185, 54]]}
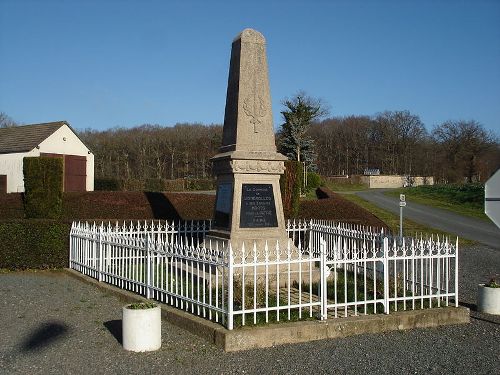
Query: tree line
{"points": [[396, 142], [154, 151]]}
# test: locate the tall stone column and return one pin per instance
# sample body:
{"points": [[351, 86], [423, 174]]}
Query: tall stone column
{"points": [[248, 204]]}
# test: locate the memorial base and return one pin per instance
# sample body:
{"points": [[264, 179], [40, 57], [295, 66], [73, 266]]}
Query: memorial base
{"points": [[248, 205]]}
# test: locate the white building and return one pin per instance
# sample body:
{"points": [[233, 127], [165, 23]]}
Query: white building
{"points": [[53, 139]]}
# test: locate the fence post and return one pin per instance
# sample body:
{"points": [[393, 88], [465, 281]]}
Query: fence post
{"points": [[386, 275], [99, 236], [148, 267], [322, 249], [230, 285], [456, 274], [309, 233], [70, 260]]}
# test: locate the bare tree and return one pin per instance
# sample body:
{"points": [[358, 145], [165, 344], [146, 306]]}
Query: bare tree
{"points": [[462, 145], [6, 121], [154, 151]]}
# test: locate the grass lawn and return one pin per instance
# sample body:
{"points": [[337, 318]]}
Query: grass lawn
{"points": [[410, 228], [466, 199]]}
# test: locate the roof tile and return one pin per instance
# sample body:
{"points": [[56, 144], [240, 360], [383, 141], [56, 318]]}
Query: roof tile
{"points": [[25, 138]]}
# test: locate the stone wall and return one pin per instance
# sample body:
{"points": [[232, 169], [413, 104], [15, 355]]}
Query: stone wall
{"points": [[382, 181]]}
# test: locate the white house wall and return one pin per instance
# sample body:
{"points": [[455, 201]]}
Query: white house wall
{"points": [[62, 141], [12, 166]]}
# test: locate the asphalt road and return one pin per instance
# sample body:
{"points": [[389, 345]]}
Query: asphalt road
{"points": [[482, 231]]}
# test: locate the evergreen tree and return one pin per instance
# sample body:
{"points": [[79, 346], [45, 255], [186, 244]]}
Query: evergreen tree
{"points": [[294, 140]]}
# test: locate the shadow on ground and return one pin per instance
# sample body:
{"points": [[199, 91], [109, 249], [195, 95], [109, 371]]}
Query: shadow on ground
{"points": [[115, 328], [475, 314], [470, 306], [46, 334]]}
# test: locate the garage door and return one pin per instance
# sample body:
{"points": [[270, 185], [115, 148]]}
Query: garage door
{"points": [[75, 173]]}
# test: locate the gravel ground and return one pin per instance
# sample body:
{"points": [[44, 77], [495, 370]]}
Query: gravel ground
{"points": [[51, 323]]}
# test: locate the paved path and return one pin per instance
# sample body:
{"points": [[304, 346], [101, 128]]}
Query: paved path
{"points": [[52, 323], [482, 231]]}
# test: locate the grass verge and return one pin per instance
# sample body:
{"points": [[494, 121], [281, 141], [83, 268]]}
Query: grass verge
{"points": [[466, 200]]}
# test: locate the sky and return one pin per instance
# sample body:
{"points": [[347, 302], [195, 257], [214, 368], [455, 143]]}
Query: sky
{"points": [[108, 63]]}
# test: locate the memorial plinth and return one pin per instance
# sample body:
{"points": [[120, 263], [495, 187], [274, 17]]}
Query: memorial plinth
{"points": [[248, 204]]}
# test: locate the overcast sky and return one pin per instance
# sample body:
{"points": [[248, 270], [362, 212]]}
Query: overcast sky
{"points": [[101, 64]]}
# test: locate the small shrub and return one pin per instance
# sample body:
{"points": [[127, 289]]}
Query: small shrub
{"points": [[142, 306], [43, 185], [313, 181], [492, 283], [324, 193]]}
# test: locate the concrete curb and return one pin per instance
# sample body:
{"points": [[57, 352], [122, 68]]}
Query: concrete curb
{"points": [[295, 332]]}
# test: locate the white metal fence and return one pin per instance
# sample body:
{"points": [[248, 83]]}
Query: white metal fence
{"points": [[326, 270]]}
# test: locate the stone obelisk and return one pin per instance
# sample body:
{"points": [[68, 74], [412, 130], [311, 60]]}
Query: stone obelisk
{"points": [[248, 204]]}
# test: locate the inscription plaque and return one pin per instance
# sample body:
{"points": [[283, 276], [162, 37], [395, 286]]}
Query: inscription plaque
{"points": [[258, 209], [223, 205]]}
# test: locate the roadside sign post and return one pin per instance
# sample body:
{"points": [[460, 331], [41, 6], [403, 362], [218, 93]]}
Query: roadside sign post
{"points": [[492, 198], [402, 203]]}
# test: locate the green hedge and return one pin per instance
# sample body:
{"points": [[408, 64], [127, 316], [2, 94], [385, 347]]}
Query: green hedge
{"points": [[107, 184], [132, 184], [34, 243], [154, 184], [174, 185], [290, 183], [200, 184], [43, 185]]}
